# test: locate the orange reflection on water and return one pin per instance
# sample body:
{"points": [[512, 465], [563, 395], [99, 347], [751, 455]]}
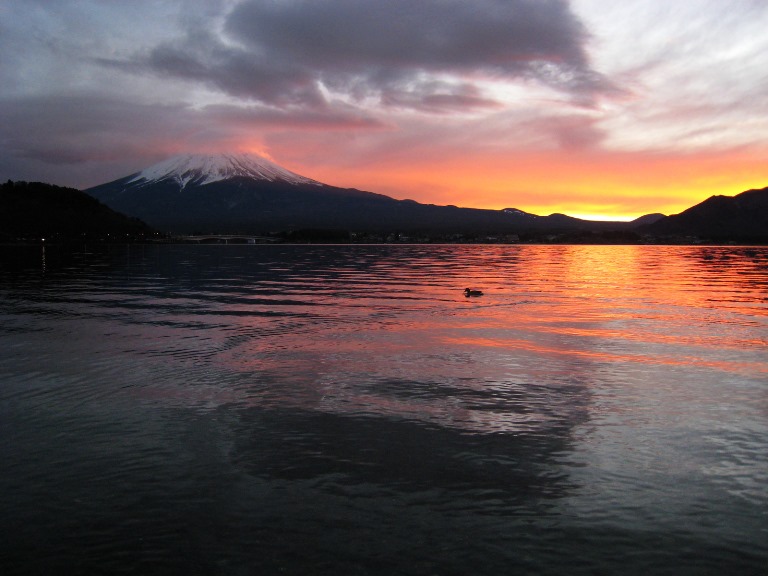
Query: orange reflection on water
{"points": [[328, 335], [583, 297], [603, 356]]}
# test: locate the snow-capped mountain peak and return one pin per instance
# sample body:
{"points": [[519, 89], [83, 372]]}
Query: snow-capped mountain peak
{"points": [[202, 169]]}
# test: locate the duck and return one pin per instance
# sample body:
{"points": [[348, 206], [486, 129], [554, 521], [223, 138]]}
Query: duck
{"points": [[469, 292]]}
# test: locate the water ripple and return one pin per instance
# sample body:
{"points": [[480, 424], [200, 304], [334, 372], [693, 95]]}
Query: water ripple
{"points": [[317, 409]]}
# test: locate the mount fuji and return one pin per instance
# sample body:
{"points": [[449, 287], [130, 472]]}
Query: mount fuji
{"points": [[244, 193]]}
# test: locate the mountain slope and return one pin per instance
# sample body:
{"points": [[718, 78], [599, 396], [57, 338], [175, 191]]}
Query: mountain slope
{"points": [[246, 193], [647, 219], [740, 217], [236, 193]]}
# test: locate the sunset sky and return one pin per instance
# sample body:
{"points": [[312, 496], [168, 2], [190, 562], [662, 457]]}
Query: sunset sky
{"points": [[594, 108]]}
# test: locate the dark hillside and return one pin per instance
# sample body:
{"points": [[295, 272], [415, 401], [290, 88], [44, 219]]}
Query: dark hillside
{"points": [[743, 217], [33, 210]]}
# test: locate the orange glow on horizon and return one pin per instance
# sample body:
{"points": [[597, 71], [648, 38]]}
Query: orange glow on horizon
{"points": [[596, 185]]}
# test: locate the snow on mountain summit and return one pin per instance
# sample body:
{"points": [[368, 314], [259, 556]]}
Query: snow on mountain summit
{"points": [[203, 169]]}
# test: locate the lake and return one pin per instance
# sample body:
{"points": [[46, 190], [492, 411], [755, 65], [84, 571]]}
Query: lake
{"points": [[184, 409]]}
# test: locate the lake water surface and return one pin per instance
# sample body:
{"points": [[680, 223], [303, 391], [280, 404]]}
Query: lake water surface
{"points": [[184, 409]]}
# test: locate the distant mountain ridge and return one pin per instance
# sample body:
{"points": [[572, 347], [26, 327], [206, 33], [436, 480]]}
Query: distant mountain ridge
{"points": [[241, 193], [648, 219]]}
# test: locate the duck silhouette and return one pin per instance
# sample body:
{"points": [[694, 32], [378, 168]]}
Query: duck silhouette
{"points": [[469, 292]]}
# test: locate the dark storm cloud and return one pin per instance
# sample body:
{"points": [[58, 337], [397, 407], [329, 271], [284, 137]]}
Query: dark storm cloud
{"points": [[284, 53], [431, 34], [238, 72]]}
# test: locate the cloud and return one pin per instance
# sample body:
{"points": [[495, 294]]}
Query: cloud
{"points": [[203, 57], [333, 118], [439, 97], [400, 34], [427, 56]]}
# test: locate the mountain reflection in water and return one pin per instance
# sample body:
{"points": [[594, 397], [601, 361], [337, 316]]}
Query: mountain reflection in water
{"points": [[345, 409]]}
